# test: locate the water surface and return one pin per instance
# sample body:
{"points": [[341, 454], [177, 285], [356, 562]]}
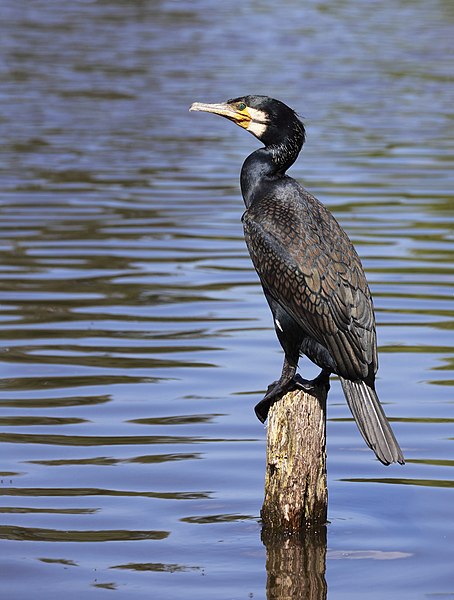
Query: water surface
{"points": [[135, 340]]}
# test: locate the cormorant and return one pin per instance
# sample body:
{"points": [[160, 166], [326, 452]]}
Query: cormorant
{"points": [[310, 272]]}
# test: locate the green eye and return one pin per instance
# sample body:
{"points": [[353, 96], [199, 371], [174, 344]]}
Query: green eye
{"points": [[241, 106]]}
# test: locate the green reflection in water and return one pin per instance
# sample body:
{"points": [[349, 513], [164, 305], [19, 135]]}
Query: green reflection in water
{"points": [[27, 421], [416, 349], [436, 483], [12, 532], [431, 462], [111, 585], [59, 561], [217, 519], [87, 358], [82, 440], [157, 567], [55, 402], [160, 458], [63, 492], [177, 419], [40, 383], [108, 461]]}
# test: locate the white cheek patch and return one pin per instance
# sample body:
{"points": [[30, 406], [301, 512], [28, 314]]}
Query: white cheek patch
{"points": [[258, 129], [259, 122]]}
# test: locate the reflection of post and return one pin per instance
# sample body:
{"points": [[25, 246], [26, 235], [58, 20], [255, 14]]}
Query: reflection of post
{"points": [[296, 494], [295, 565]]}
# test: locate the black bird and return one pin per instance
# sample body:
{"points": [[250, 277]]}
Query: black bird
{"points": [[310, 272]]}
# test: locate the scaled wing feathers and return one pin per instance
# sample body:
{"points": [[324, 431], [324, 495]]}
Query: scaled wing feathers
{"points": [[314, 272]]}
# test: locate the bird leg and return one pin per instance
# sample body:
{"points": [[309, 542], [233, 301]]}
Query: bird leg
{"points": [[276, 390], [288, 381]]}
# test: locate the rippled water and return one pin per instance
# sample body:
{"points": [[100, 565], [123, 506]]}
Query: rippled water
{"points": [[134, 336]]}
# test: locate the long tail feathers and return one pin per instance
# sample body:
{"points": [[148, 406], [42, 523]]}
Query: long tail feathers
{"points": [[372, 421]]}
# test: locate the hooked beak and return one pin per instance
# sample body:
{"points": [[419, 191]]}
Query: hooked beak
{"points": [[241, 118]]}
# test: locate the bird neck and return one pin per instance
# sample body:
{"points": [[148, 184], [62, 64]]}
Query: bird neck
{"points": [[269, 164]]}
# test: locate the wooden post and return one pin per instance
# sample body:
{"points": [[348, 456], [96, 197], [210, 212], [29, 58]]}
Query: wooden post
{"points": [[296, 493]]}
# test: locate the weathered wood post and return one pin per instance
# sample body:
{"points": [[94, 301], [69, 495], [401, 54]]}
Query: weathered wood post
{"points": [[296, 493]]}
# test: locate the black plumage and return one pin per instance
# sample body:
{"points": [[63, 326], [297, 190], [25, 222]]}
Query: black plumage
{"points": [[310, 272]]}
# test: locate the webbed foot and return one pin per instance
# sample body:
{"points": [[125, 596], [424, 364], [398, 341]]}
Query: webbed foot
{"points": [[322, 380], [275, 391], [278, 388]]}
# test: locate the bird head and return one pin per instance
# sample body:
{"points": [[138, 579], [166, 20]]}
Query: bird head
{"points": [[270, 120]]}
